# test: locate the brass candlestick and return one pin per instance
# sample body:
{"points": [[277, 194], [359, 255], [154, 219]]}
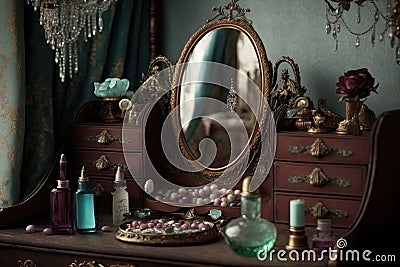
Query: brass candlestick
{"points": [[297, 239]]}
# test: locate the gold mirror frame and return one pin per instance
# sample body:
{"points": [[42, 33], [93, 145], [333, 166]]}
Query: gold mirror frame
{"points": [[230, 16]]}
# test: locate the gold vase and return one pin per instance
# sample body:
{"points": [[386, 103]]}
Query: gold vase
{"points": [[351, 124]]}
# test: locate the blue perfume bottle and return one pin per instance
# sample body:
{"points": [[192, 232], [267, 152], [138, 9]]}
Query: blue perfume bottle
{"points": [[250, 235], [84, 206]]}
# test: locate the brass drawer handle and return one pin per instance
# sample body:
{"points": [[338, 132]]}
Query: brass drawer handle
{"points": [[319, 210], [319, 149], [105, 138], [103, 164], [318, 178]]}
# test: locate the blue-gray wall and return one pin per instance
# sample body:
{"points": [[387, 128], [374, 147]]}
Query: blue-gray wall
{"points": [[297, 29]]}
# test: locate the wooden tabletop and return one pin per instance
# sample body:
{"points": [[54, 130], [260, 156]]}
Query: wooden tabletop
{"points": [[215, 253]]}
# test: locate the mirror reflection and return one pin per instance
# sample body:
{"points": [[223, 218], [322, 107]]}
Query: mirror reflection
{"points": [[231, 47]]}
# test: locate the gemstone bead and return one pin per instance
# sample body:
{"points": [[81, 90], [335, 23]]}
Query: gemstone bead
{"points": [[47, 231], [106, 228], [30, 229], [185, 226]]}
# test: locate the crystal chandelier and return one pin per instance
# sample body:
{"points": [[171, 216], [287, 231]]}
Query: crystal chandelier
{"points": [[335, 17], [63, 21]]}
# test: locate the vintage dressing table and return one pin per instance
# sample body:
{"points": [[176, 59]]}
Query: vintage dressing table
{"points": [[347, 177]]}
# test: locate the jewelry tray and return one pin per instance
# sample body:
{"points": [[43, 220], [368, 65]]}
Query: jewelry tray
{"points": [[160, 237]]}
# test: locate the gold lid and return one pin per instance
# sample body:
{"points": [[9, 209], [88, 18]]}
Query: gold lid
{"points": [[83, 177], [246, 187]]}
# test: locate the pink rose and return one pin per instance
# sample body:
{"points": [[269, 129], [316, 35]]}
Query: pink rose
{"points": [[356, 83]]}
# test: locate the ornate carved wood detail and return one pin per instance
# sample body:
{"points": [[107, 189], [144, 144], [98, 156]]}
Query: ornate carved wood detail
{"points": [[104, 164], [319, 149], [318, 178], [26, 263], [231, 12], [319, 210], [105, 138], [76, 263]]}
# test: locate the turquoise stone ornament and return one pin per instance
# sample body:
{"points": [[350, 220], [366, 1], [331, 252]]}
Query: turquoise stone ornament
{"points": [[215, 214], [111, 88]]}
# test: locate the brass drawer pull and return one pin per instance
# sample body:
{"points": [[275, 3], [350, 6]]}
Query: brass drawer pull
{"points": [[319, 149], [318, 178], [103, 164], [319, 210], [105, 138]]}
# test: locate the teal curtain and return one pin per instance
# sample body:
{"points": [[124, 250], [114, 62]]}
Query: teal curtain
{"points": [[12, 100], [121, 50], [217, 51]]}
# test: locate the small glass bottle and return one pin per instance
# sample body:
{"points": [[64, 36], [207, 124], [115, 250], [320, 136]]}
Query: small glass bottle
{"points": [[323, 239], [120, 198], [61, 203], [84, 206], [250, 235]]}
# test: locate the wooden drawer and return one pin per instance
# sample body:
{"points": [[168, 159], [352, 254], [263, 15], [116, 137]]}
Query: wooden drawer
{"points": [[329, 148], [320, 178], [107, 138], [110, 159], [346, 209]]}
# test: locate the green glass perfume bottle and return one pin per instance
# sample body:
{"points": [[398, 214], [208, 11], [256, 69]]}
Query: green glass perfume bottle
{"points": [[250, 234], [84, 206]]}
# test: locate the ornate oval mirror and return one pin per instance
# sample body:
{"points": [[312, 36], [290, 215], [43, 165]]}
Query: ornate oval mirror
{"points": [[230, 117]]}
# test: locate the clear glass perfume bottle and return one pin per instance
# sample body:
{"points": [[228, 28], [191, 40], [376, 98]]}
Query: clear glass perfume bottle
{"points": [[84, 206], [61, 203], [120, 198], [323, 239], [250, 234]]}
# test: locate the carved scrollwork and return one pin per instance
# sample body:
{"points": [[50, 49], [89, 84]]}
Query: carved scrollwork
{"points": [[318, 178], [105, 138], [319, 149], [100, 191], [25, 263], [319, 210], [76, 263], [231, 12], [104, 164]]}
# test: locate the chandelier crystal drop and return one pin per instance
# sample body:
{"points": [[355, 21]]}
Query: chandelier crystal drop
{"points": [[337, 13], [63, 21]]}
